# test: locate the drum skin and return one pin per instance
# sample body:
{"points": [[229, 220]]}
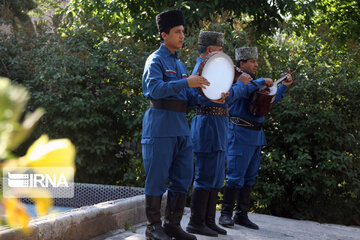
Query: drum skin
{"points": [[218, 69]]}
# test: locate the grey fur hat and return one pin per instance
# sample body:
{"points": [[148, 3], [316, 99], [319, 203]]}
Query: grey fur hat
{"points": [[246, 53], [207, 38]]}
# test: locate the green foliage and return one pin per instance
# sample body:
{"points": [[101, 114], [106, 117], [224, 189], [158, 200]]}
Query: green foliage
{"points": [[92, 94], [88, 78], [14, 12], [127, 225], [136, 19], [339, 18], [310, 168], [46, 16], [13, 99]]}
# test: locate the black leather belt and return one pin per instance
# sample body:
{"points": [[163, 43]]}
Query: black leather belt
{"points": [[217, 111], [246, 123], [173, 105]]}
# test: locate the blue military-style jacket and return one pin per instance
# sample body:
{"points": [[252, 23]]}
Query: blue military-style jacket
{"points": [[209, 132], [239, 108], [164, 77]]}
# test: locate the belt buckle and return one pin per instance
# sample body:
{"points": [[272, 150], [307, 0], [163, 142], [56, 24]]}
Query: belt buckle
{"points": [[249, 124], [240, 122]]}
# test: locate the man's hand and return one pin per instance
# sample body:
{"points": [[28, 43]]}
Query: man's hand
{"points": [[288, 80], [197, 81], [222, 99], [245, 78], [269, 82]]}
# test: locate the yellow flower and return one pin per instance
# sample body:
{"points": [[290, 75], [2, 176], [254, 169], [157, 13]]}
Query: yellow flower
{"points": [[43, 201], [51, 154], [41, 198], [42, 205], [46, 157], [15, 214]]}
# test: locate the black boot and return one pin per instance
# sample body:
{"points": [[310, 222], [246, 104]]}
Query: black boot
{"points": [[228, 206], [211, 212], [243, 206], [199, 200], [154, 230], [173, 214]]}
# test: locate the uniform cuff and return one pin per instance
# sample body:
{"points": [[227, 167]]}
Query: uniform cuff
{"points": [[181, 84], [260, 82]]}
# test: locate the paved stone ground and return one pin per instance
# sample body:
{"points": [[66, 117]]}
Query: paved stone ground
{"points": [[271, 228]]}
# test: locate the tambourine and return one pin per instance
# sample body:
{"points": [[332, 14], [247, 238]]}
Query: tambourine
{"points": [[218, 69]]}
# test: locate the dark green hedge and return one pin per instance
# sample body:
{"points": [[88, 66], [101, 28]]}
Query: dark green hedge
{"points": [[92, 94], [311, 166], [90, 87]]}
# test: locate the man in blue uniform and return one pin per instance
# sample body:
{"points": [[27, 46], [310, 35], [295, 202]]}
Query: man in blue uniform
{"points": [[246, 139], [166, 144], [209, 135]]}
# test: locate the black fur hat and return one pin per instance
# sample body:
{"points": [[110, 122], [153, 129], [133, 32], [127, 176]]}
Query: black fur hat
{"points": [[169, 19]]}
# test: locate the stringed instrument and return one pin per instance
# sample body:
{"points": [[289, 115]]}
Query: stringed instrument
{"points": [[261, 101]]}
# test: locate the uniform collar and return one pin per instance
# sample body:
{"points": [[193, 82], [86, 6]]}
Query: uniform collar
{"points": [[252, 75], [166, 52]]}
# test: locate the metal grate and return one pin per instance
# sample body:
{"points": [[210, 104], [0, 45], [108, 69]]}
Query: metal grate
{"points": [[89, 194], [86, 194]]}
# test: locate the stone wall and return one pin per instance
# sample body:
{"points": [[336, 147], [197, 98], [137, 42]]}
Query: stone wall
{"points": [[85, 222]]}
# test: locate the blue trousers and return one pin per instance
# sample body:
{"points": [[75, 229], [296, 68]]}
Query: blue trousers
{"points": [[167, 159], [209, 170], [243, 166]]}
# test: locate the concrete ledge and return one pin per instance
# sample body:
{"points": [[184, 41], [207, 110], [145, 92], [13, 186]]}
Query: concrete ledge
{"points": [[271, 228], [85, 222]]}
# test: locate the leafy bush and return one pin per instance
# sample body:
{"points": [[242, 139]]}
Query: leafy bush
{"points": [[310, 168], [92, 94], [89, 81]]}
